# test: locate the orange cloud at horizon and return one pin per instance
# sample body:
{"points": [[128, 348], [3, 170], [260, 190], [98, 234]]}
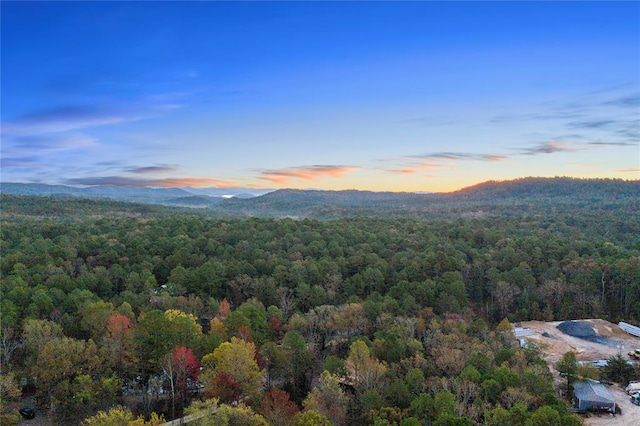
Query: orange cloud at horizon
{"points": [[405, 171], [415, 168], [306, 173], [276, 179], [190, 182], [194, 182], [257, 186]]}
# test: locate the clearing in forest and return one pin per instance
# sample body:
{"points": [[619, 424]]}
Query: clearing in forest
{"points": [[607, 341]]}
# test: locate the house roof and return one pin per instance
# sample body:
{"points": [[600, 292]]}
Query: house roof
{"points": [[522, 332], [592, 391]]}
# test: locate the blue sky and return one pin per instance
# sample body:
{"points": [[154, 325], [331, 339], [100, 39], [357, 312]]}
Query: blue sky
{"points": [[394, 96]]}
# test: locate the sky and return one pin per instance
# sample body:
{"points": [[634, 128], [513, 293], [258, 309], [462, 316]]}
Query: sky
{"points": [[381, 96]]}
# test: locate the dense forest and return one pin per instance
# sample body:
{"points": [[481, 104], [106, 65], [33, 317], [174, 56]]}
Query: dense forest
{"points": [[362, 317]]}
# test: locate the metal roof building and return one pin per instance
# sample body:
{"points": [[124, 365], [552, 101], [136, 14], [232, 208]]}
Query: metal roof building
{"points": [[522, 332], [592, 396]]}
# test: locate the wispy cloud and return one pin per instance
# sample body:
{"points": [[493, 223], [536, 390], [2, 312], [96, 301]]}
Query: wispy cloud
{"points": [[606, 144], [629, 101], [406, 171], [194, 182], [164, 101], [571, 143], [31, 150], [598, 115], [257, 186], [571, 113], [592, 124], [58, 137], [413, 168], [629, 171], [103, 111], [550, 147], [63, 119], [554, 146], [414, 164], [49, 142], [305, 173], [463, 156], [153, 169], [19, 162]]}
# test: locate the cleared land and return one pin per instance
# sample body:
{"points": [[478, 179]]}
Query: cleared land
{"points": [[555, 343]]}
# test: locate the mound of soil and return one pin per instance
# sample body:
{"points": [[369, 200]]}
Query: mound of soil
{"points": [[584, 331], [577, 329]]}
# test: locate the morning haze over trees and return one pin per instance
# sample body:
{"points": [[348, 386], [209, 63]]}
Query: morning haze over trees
{"points": [[310, 307]]}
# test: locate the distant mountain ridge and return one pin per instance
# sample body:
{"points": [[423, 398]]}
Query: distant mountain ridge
{"points": [[170, 196], [531, 195], [520, 195], [551, 187]]}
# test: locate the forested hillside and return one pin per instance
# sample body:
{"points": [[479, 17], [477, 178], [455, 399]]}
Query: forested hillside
{"points": [[521, 196], [362, 319]]}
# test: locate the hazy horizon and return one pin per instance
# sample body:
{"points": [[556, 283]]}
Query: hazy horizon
{"points": [[378, 96]]}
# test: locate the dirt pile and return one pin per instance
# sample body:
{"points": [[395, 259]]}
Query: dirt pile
{"points": [[577, 329], [555, 342], [584, 330]]}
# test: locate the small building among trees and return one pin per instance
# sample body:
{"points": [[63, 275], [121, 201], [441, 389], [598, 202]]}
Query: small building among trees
{"points": [[592, 396]]}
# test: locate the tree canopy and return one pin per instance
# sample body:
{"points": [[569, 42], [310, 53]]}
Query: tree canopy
{"points": [[378, 318]]}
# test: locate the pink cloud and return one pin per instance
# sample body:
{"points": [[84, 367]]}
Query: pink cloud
{"points": [[306, 173], [193, 182], [415, 168], [257, 186], [405, 171], [276, 179], [153, 169]]}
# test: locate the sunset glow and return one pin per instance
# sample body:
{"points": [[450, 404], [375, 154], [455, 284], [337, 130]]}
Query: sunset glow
{"points": [[389, 96]]}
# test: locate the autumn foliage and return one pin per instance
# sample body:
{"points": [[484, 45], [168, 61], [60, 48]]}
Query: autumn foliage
{"points": [[100, 309], [224, 387], [277, 408], [186, 362]]}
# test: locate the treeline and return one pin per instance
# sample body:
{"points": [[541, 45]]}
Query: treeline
{"points": [[558, 267], [527, 196], [382, 321]]}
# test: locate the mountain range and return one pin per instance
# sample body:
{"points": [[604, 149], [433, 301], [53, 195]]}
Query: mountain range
{"points": [[167, 196], [526, 195]]}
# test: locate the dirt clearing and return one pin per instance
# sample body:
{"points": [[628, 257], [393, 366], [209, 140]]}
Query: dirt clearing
{"points": [[555, 343]]}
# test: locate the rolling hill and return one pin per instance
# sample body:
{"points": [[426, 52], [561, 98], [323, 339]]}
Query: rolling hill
{"points": [[520, 196]]}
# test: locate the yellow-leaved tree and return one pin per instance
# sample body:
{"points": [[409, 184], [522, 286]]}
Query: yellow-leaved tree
{"points": [[231, 372], [120, 416], [364, 371], [328, 398], [210, 413]]}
